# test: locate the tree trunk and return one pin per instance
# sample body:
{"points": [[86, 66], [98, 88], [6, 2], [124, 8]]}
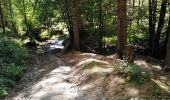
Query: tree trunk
{"points": [[151, 31], [159, 28], [100, 27], [11, 16], [138, 18], [69, 21], [2, 18], [122, 27], [133, 5], [152, 22], [46, 15], [75, 25], [64, 7], [168, 53], [167, 34], [25, 19]]}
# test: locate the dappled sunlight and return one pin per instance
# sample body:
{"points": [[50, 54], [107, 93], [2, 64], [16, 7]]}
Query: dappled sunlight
{"points": [[142, 64], [90, 65], [88, 76], [147, 66], [50, 79], [132, 92], [114, 85], [115, 81], [101, 70], [87, 86], [89, 54], [62, 68], [162, 85], [157, 67], [163, 78], [53, 83], [149, 63], [91, 60], [97, 69]]}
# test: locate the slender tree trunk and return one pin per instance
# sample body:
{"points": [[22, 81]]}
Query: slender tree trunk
{"points": [[46, 15], [122, 27], [142, 3], [152, 21], [75, 25], [167, 35], [133, 9], [25, 18], [168, 53], [150, 25], [11, 16], [133, 5], [100, 27], [67, 18], [159, 28], [2, 18], [138, 19]]}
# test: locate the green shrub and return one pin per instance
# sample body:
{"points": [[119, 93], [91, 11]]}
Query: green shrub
{"points": [[45, 34], [137, 34], [13, 62], [3, 91], [6, 81], [110, 40], [133, 72]]}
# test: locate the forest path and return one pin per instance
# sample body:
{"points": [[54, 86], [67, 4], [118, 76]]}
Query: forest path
{"points": [[49, 79], [83, 76]]}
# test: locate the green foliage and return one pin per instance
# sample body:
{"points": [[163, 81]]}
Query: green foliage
{"points": [[3, 91], [110, 40], [5, 81], [13, 62], [15, 70], [45, 14], [137, 33], [45, 34], [10, 52], [137, 74], [133, 72]]}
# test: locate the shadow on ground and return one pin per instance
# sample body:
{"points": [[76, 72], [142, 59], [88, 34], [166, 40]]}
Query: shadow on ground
{"points": [[78, 76]]}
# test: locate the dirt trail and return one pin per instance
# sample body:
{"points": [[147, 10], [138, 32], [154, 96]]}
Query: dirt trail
{"points": [[78, 76], [49, 80]]}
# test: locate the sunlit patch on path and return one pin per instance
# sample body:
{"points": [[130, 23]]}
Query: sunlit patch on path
{"points": [[81, 76]]}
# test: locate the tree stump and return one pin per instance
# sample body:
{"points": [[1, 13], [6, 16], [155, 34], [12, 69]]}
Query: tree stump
{"points": [[128, 53]]}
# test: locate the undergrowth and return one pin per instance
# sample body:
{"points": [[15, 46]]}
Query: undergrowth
{"points": [[137, 76], [132, 72], [13, 62]]}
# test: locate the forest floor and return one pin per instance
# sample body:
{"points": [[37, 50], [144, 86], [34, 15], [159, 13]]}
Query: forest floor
{"points": [[86, 76]]}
